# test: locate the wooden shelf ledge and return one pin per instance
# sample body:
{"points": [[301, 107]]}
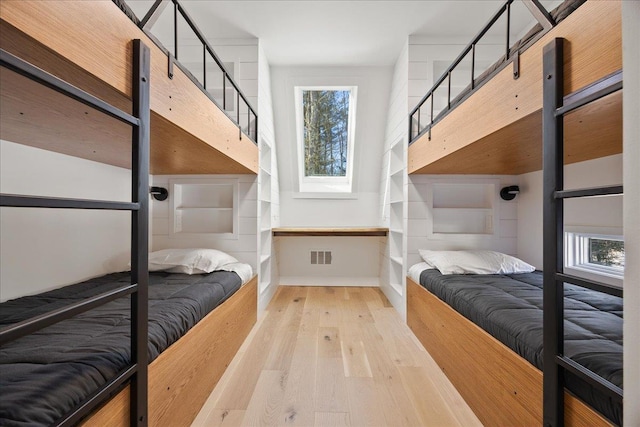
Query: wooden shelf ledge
{"points": [[331, 231]]}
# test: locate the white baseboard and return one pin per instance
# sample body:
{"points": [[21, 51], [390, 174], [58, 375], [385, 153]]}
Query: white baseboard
{"points": [[329, 281]]}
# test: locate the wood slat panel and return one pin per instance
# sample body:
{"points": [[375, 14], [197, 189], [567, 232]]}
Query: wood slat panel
{"points": [[88, 44], [182, 377], [498, 130], [500, 387]]}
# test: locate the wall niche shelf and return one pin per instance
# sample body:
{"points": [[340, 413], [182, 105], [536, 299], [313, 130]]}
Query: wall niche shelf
{"points": [[204, 206], [463, 208]]}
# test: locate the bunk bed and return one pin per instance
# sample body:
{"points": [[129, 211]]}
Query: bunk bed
{"points": [[498, 128], [500, 120], [88, 45], [68, 69]]}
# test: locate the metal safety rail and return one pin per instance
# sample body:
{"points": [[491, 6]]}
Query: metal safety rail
{"points": [[147, 22], [139, 120], [418, 125], [555, 106]]}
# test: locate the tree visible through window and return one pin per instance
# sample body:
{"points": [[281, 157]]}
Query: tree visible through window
{"points": [[606, 252], [326, 132]]}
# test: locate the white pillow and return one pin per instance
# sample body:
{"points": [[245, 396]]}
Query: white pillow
{"points": [[416, 270], [475, 262], [189, 261]]}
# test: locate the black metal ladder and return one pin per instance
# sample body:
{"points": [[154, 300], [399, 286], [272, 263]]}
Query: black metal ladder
{"points": [[555, 106], [139, 120]]}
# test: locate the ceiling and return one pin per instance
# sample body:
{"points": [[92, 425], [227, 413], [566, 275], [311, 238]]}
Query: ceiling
{"points": [[341, 32]]}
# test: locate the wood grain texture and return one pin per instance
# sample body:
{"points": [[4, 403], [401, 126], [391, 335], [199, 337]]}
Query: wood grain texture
{"points": [[88, 44], [183, 376], [330, 231], [315, 384], [502, 388], [498, 129]]}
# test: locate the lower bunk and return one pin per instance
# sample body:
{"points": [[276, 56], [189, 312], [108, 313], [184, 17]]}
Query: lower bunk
{"points": [[500, 378], [196, 325]]}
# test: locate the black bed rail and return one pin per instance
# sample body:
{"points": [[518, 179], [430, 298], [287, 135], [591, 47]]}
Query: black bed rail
{"points": [[147, 22], [554, 107], [417, 126], [139, 120]]}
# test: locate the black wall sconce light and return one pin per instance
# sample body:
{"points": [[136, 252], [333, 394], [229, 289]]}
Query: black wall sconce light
{"points": [[509, 193], [159, 193]]}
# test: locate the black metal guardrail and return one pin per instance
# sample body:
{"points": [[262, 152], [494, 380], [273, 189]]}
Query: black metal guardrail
{"points": [[147, 22], [416, 128]]}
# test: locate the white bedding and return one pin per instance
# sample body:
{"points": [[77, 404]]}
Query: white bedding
{"points": [[416, 269]]}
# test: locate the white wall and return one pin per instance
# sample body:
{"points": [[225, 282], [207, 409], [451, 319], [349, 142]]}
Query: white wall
{"points": [[243, 248], [420, 217], [395, 132], [599, 215], [42, 249], [631, 136], [428, 58], [360, 210]]}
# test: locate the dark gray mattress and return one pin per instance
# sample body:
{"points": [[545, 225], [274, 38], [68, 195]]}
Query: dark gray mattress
{"points": [[509, 307], [45, 375]]}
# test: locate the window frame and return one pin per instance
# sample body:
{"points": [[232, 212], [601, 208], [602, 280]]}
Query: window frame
{"points": [[326, 184], [576, 259]]}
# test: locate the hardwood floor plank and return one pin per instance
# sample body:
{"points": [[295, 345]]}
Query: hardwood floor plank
{"points": [[329, 343], [365, 408], [323, 356], [223, 418], [331, 391], [332, 419], [266, 401], [354, 359]]}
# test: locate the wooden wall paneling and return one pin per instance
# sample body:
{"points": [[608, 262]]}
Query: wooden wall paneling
{"points": [[82, 42], [504, 114], [183, 376], [501, 387]]}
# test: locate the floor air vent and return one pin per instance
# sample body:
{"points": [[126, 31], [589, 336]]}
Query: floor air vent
{"points": [[320, 257]]}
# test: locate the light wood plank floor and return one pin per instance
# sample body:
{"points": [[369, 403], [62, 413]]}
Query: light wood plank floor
{"points": [[327, 356]]}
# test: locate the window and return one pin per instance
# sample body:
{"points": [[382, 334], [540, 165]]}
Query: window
{"points": [[596, 256], [325, 123]]}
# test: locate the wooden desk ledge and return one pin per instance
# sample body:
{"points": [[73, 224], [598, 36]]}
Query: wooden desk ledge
{"points": [[331, 231]]}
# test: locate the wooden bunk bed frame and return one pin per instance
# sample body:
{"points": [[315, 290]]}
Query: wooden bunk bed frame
{"points": [[501, 387], [87, 43], [508, 141], [87, 46], [183, 376]]}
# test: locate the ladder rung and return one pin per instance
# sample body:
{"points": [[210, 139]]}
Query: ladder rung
{"points": [[589, 192], [590, 284], [18, 201], [102, 394], [599, 89], [34, 324], [591, 377]]}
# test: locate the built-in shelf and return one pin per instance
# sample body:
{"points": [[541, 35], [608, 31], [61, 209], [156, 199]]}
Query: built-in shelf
{"points": [[264, 258], [396, 259], [331, 231], [203, 206], [465, 208]]}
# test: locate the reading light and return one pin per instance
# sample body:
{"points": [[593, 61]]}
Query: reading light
{"points": [[159, 193], [509, 193]]}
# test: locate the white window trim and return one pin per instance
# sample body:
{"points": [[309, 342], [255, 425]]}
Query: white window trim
{"points": [[336, 185], [576, 259]]}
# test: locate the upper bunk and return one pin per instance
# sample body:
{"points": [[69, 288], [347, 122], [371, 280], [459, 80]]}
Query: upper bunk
{"points": [[88, 44], [497, 128]]}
